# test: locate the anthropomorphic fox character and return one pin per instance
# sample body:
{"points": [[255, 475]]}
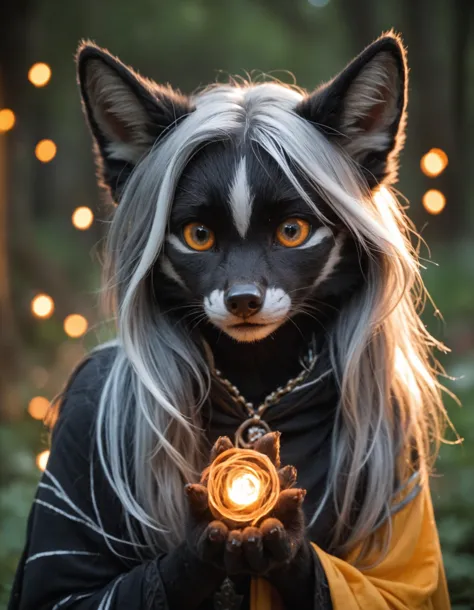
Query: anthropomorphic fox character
{"points": [[264, 286]]}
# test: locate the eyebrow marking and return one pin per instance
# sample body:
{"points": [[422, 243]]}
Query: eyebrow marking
{"points": [[331, 262], [170, 272], [318, 236], [176, 243], [240, 199]]}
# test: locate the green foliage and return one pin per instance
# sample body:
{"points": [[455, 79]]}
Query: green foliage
{"points": [[450, 284], [18, 481], [453, 491]]}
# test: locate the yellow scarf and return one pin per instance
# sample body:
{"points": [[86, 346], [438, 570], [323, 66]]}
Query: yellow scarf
{"points": [[410, 577]]}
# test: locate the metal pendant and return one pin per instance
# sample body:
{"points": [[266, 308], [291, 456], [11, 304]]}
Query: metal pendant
{"points": [[226, 598], [250, 431]]}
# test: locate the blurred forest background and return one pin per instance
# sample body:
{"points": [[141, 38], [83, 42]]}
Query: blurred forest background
{"points": [[52, 216]]}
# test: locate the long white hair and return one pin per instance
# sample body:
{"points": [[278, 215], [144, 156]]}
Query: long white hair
{"points": [[390, 407]]}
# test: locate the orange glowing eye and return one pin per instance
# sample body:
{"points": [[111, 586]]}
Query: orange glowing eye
{"points": [[292, 232], [198, 236]]}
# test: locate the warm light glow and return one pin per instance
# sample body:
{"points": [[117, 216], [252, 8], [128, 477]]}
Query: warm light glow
{"points": [[42, 306], [388, 209], [244, 489], [45, 151], [82, 218], [39, 74], [434, 162], [243, 486], [38, 407], [405, 371], [434, 201], [383, 197], [42, 460], [7, 119], [75, 325]]}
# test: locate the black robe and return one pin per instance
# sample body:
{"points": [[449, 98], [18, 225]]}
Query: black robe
{"points": [[67, 562]]}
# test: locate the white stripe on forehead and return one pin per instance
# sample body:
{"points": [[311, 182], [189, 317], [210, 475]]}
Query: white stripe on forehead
{"points": [[240, 199]]}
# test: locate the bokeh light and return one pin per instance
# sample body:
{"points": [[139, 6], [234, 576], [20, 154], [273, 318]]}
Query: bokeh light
{"points": [[75, 325], [42, 460], [434, 162], [42, 306], [38, 407], [39, 74], [82, 218], [434, 201], [45, 150], [7, 119]]}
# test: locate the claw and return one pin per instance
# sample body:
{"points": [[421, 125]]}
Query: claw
{"points": [[269, 445], [222, 444], [251, 535], [197, 497], [288, 508], [233, 556], [287, 476], [253, 551], [217, 531], [275, 539], [272, 528], [234, 541], [211, 544]]}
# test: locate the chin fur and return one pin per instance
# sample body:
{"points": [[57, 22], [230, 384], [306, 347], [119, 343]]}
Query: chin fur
{"points": [[251, 335]]}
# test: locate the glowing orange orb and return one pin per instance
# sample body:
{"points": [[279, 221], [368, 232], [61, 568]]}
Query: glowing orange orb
{"points": [[39, 74], [38, 407], [243, 486], [75, 325], [434, 201], [244, 489], [7, 119], [42, 460], [45, 151], [42, 306], [434, 162], [82, 218]]}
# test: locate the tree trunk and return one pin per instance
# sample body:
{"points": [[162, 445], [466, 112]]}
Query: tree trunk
{"points": [[432, 118], [462, 29], [9, 404], [360, 20], [13, 19]]}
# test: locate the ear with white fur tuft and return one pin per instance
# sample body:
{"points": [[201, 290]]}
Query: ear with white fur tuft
{"points": [[363, 108], [126, 113]]}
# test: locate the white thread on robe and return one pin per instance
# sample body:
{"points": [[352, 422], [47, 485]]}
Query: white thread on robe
{"points": [[61, 552]]}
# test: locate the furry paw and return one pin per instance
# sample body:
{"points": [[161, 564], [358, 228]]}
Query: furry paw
{"points": [[252, 550]]}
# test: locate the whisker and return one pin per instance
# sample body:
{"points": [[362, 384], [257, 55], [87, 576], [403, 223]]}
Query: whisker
{"points": [[296, 326]]}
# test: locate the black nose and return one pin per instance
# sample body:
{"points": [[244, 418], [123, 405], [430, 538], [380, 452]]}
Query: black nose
{"points": [[244, 300]]}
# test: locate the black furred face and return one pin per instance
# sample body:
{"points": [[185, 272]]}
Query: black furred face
{"points": [[245, 252]]}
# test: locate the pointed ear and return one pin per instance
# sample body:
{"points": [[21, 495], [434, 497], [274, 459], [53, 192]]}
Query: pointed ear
{"points": [[363, 109], [126, 113]]}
